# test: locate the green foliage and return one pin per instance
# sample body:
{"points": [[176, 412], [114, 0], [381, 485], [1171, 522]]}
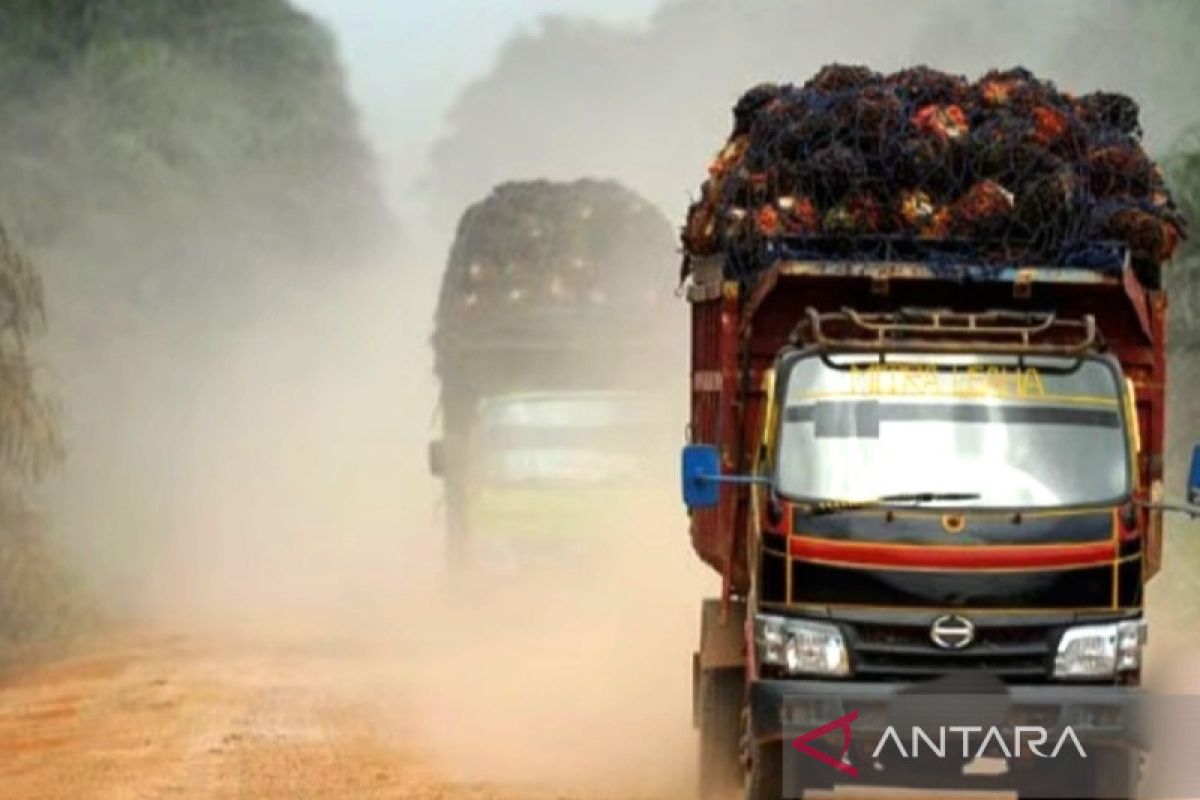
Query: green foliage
{"points": [[34, 599], [185, 117], [1183, 275], [156, 157], [38, 597], [29, 439]]}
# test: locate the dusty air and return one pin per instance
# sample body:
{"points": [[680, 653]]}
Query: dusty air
{"points": [[566, 399]]}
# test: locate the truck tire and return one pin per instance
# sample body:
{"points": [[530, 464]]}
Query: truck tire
{"points": [[721, 696], [457, 534], [1110, 773], [764, 776]]}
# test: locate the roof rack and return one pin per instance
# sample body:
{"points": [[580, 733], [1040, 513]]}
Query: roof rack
{"points": [[940, 330]]}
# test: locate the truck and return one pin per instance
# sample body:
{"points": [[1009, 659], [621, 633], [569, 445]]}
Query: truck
{"points": [[547, 347], [928, 471]]}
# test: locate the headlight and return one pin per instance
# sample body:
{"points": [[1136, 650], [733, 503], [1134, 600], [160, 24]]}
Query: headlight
{"points": [[800, 647], [1100, 651]]}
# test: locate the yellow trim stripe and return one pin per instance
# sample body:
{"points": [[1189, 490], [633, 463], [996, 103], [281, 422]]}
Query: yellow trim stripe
{"points": [[819, 608], [1065, 399]]}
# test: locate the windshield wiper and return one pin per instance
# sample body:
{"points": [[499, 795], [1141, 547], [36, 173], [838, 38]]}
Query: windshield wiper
{"points": [[929, 497], [826, 507]]}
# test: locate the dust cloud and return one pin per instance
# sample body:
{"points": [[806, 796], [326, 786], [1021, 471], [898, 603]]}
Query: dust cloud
{"points": [[267, 483], [577, 679], [256, 466], [306, 513], [247, 429]]}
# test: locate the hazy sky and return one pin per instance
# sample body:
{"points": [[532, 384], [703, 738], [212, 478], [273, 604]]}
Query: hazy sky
{"points": [[550, 111], [408, 59]]}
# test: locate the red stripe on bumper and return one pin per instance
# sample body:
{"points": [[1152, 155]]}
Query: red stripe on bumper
{"points": [[981, 557]]}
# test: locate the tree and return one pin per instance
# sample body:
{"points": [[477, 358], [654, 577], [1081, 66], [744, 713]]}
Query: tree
{"points": [[29, 440], [33, 590], [1183, 280], [138, 130]]}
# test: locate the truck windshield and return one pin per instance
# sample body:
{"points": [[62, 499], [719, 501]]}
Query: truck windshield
{"points": [[1001, 432], [567, 438]]}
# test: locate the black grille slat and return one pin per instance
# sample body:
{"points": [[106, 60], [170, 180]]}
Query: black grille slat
{"points": [[925, 671], [971, 652], [899, 651]]}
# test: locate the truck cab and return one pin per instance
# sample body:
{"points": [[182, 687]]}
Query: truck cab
{"points": [[550, 471], [932, 480], [552, 326], [551, 423]]}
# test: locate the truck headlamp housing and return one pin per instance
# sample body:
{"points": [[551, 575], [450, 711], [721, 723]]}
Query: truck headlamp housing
{"points": [[1100, 651], [800, 647]]}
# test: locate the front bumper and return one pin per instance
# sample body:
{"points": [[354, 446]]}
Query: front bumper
{"points": [[1109, 714]]}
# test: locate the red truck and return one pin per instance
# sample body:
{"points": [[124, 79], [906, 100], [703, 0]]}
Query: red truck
{"points": [[908, 472]]}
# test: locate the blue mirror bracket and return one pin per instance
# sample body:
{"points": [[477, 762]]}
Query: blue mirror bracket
{"points": [[700, 462], [1192, 505], [1189, 509], [702, 477]]}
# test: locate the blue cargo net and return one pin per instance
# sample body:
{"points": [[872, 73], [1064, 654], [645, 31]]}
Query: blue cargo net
{"points": [[956, 259], [1004, 172]]}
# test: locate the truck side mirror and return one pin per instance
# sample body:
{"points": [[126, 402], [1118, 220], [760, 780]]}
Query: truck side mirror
{"points": [[437, 458], [701, 476], [1193, 492]]}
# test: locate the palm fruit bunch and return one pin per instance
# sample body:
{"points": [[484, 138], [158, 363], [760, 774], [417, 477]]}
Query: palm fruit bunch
{"points": [[531, 249], [1007, 170]]}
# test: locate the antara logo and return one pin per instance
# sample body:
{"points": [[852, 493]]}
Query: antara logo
{"points": [[1024, 740], [1036, 738], [842, 723]]}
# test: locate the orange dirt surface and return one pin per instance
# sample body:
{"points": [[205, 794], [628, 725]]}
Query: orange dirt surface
{"points": [[161, 717]]}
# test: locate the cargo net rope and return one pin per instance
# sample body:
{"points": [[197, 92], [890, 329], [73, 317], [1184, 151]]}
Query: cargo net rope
{"points": [[921, 164]]}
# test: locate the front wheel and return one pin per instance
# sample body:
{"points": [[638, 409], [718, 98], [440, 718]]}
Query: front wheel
{"points": [[764, 775]]}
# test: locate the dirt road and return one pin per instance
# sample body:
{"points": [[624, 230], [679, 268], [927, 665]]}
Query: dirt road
{"points": [[160, 717]]}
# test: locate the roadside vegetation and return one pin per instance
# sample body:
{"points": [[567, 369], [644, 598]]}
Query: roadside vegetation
{"points": [[166, 165], [34, 597]]}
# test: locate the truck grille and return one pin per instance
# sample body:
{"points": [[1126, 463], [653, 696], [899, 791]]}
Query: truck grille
{"points": [[1011, 652]]}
